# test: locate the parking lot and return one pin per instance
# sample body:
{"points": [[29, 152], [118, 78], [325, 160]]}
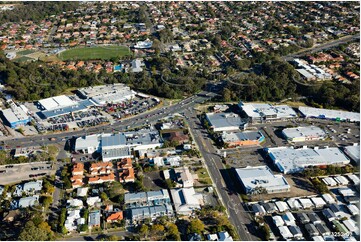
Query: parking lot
{"points": [[242, 157], [21, 172]]}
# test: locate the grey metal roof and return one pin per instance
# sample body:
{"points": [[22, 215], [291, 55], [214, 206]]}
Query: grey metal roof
{"points": [[113, 140], [82, 105], [240, 136], [94, 218], [311, 229], [27, 201], [220, 120], [134, 197], [323, 229], [116, 152], [295, 230]]}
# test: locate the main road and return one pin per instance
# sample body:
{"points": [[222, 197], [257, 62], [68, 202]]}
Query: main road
{"points": [[226, 188], [130, 123]]}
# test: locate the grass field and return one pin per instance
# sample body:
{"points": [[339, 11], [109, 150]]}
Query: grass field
{"points": [[94, 53]]}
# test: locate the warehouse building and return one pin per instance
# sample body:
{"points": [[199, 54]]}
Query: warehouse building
{"points": [[261, 176], [302, 134], [221, 122], [264, 112], [186, 200], [112, 93], [57, 102], [290, 160], [337, 115], [16, 115], [353, 151], [77, 107], [243, 138]]}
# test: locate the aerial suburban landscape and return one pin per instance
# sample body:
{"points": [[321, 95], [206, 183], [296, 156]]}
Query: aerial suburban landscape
{"points": [[180, 121]]}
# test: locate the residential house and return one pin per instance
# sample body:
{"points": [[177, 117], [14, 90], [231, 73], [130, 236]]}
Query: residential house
{"points": [[28, 188], [115, 217], [94, 219], [186, 200]]}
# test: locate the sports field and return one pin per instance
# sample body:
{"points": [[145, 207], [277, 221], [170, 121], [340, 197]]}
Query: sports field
{"points": [[94, 53]]}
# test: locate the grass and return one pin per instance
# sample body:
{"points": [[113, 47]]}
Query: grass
{"points": [[92, 53], [25, 52], [203, 176], [23, 59]]}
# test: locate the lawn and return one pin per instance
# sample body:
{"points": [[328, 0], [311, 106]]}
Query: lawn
{"points": [[93, 53], [25, 52]]}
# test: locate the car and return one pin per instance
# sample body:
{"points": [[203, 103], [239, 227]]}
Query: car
{"points": [[34, 168], [3, 171], [9, 166]]}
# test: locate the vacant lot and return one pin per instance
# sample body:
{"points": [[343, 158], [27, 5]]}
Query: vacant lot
{"points": [[92, 53]]}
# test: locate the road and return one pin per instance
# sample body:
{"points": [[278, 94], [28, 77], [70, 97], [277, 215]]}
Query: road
{"points": [[324, 46], [129, 123], [240, 218]]}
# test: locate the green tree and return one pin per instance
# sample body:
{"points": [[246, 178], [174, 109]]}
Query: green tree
{"points": [[143, 230], [30, 232], [195, 226], [226, 94]]}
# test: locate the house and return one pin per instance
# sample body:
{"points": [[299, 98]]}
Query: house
{"points": [[150, 212], [94, 219], [293, 203], [74, 203], [115, 217], [329, 181], [303, 218], [147, 198], [289, 219], [306, 203], [285, 232], [176, 136], [172, 160], [28, 188], [224, 236], [82, 191], [78, 169], [73, 220], [353, 209], [341, 180], [91, 201], [322, 228], [186, 200], [318, 202], [338, 211], [314, 218], [270, 207], [127, 175], [101, 179], [351, 225], [25, 202], [296, 231], [258, 210], [329, 214], [282, 206], [212, 237], [278, 221], [328, 198], [311, 230]]}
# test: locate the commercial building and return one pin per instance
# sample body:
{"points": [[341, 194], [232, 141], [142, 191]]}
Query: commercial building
{"points": [[143, 44], [353, 151], [77, 107], [264, 112], [150, 212], [112, 93], [302, 134], [16, 115], [246, 138], [151, 198], [261, 176], [186, 200], [52, 103], [337, 115], [225, 121], [87, 144], [290, 160]]}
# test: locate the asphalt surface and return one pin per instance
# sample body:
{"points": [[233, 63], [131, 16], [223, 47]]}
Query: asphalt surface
{"points": [[130, 123], [324, 46], [240, 218]]}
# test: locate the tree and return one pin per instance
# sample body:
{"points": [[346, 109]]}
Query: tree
{"points": [[30, 232], [173, 232], [157, 229], [83, 228], [226, 94], [195, 226], [104, 196], [143, 230], [46, 201]]}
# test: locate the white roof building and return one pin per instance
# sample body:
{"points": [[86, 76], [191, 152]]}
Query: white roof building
{"points": [[73, 220], [263, 112], [91, 201], [351, 225], [52, 103], [225, 121], [289, 219], [341, 180], [186, 200], [309, 112], [353, 209], [328, 198], [353, 151], [278, 221], [74, 203], [285, 232], [290, 160], [137, 65], [87, 144], [355, 179], [294, 204], [329, 181], [282, 206], [261, 176], [306, 203], [302, 134], [82, 191], [317, 238], [318, 202], [346, 192]]}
